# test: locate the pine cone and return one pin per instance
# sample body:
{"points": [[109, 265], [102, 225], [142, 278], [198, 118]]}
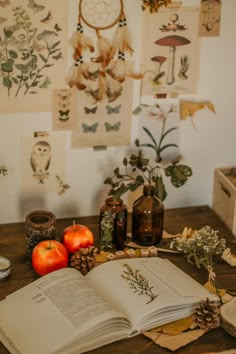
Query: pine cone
{"points": [[84, 259], [207, 314]]}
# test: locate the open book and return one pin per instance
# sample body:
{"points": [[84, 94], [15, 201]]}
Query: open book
{"points": [[65, 312]]}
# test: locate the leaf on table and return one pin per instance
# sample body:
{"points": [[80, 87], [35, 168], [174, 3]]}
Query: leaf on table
{"points": [[175, 327], [177, 341], [102, 257], [225, 297]]}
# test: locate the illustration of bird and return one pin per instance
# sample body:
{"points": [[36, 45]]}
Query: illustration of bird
{"points": [[40, 157]]}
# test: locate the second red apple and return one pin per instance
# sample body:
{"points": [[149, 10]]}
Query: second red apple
{"points": [[77, 236]]}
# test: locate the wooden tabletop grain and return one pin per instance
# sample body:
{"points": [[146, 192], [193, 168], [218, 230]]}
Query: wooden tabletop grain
{"points": [[12, 246]]}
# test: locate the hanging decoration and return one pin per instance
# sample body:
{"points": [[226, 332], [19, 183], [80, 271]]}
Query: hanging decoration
{"points": [[102, 75], [154, 5]]}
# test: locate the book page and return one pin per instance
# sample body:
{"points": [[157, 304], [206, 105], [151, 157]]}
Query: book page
{"points": [[149, 291], [50, 312]]}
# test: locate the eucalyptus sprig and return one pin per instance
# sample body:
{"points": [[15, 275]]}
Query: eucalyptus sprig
{"points": [[139, 170]]}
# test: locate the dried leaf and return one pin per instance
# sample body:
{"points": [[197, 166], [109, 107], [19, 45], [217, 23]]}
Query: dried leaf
{"points": [[175, 327], [175, 342], [189, 108]]}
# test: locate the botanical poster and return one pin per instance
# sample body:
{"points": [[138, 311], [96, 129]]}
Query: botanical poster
{"points": [[43, 161], [33, 53], [64, 109], [170, 51], [104, 123], [162, 120], [210, 15]]}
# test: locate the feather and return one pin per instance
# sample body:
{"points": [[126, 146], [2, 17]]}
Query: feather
{"points": [[113, 88], [80, 42], [77, 74], [106, 52], [99, 93], [121, 41], [119, 69]]}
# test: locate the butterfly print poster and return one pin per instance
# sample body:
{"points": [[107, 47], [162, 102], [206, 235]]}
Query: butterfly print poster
{"points": [[104, 123], [64, 109], [33, 52], [170, 51], [43, 161]]}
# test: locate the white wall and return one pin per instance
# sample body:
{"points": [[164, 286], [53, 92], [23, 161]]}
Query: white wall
{"points": [[212, 145]]}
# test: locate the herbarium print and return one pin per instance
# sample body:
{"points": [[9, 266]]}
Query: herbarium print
{"points": [[33, 53], [138, 283]]}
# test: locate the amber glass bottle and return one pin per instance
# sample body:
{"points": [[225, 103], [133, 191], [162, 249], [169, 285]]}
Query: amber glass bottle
{"points": [[118, 211], [147, 218]]}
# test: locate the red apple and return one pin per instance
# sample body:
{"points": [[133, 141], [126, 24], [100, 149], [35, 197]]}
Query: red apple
{"points": [[77, 236], [49, 255]]}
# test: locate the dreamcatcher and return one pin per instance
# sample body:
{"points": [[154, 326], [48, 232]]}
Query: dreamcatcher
{"points": [[111, 68]]}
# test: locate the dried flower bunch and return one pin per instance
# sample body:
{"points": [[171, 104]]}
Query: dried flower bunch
{"points": [[139, 170], [201, 247], [154, 5]]}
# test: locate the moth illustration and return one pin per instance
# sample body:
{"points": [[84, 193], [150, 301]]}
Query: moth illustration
{"points": [[64, 113], [115, 110], [64, 105], [64, 97], [4, 3], [47, 18], [63, 120], [90, 128], [35, 7], [57, 28], [112, 127], [90, 110]]}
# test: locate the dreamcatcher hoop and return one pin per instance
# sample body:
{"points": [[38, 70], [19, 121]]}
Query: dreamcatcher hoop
{"points": [[101, 14]]}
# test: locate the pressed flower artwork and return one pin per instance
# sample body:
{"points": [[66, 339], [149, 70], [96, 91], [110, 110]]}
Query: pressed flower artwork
{"points": [[33, 54], [170, 51]]}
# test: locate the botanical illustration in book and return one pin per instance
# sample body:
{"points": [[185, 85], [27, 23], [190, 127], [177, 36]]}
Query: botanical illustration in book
{"points": [[33, 53], [170, 51]]}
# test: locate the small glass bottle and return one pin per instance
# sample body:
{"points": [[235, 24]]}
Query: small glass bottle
{"points": [[118, 212], [147, 218]]}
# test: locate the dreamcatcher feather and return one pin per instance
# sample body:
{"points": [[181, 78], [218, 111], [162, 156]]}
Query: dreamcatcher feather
{"points": [[110, 56]]}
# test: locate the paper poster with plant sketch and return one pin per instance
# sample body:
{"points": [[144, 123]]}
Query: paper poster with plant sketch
{"points": [[170, 51], [103, 123], [43, 161], [33, 53], [162, 121]]}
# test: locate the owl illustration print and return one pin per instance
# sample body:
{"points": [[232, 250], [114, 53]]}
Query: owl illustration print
{"points": [[40, 160]]}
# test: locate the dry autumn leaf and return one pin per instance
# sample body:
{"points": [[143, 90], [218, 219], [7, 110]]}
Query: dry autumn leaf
{"points": [[177, 341], [174, 327], [189, 108]]}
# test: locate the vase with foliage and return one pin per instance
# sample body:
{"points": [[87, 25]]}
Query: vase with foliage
{"points": [[140, 170]]}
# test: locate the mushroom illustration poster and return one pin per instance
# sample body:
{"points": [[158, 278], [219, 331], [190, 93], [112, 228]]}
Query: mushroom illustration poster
{"points": [[104, 123], [33, 52], [170, 51], [210, 15], [64, 109], [43, 158]]}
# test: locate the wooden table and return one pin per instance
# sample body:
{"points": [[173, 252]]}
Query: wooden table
{"points": [[12, 246]]}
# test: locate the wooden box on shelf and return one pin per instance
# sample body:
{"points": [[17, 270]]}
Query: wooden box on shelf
{"points": [[224, 196]]}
